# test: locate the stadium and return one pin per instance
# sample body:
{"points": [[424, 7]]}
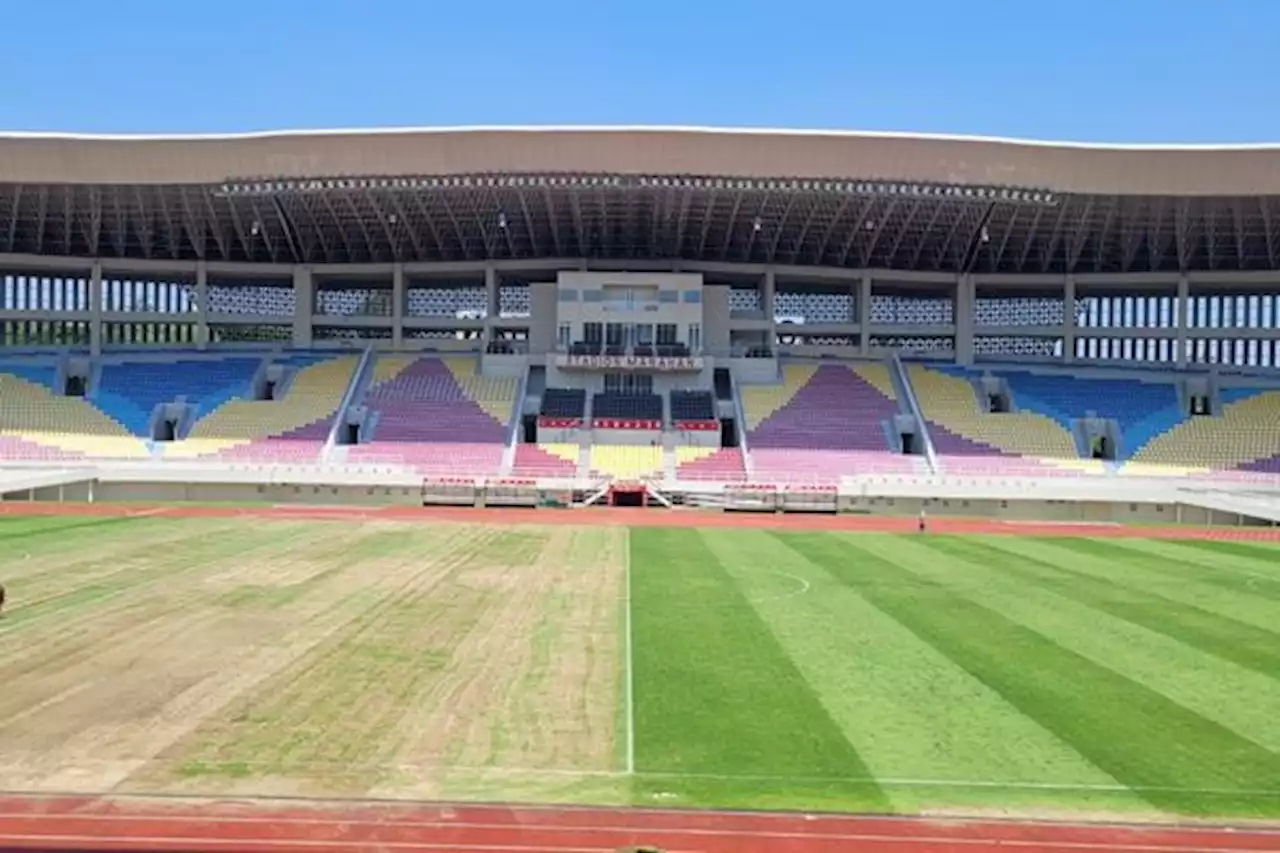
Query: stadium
{"points": [[637, 471]]}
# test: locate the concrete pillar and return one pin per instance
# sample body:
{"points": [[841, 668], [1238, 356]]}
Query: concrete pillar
{"points": [[864, 313], [95, 310], [304, 305], [202, 305], [492, 303], [397, 306], [964, 300], [769, 296], [1069, 320], [1182, 313]]}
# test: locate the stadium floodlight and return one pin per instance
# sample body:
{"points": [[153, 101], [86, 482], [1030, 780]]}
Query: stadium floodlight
{"points": [[502, 220], [755, 224]]}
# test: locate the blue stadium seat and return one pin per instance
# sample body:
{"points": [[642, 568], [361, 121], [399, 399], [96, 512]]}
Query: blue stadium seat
{"points": [[129, 392]]}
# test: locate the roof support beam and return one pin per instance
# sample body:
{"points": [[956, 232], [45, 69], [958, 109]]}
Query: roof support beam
{"points": [[42, 210], [1182, 233], [934, 215], [1238, 216], [1030, 241], [215, 226], [68, 221], [578, 229], [706, 224], [1264, 207], [463, 243], [429, 222], [146, 228], [682, 221], [1055, 236], [264, 233], [728, 231], [535, 245], [1079, 237], [342, 232], [370, 253], [553, 219], [780, 229], [859, 226], [829, 230], [195, 232], [13, 220], [902, 231], [95, 218], [1004, 240], [869, 252]]}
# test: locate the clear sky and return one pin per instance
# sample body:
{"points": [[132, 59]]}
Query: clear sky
{"points": [[1091, 70]]}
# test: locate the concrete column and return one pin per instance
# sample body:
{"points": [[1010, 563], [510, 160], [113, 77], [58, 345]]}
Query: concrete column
{"points": [[964, 300], [768, 300], [202, 305], [1182, 317], [769, 296], [492, 304], [864, 313], [304, 305], [397, 306], [95, 310], [1069, 320]]}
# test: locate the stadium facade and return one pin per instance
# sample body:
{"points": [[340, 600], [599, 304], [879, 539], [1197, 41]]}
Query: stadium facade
{"points": [[934, 275]]}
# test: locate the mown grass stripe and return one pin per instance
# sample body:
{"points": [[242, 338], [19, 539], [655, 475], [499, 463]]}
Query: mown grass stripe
{"points": [[1137, 735], [908, 710], [1246, 645], [1191, 568], [716, 694]]}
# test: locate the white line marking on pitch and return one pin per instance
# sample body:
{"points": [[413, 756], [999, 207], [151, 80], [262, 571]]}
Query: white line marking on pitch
{"points": [[803, 587], [630, 684]]}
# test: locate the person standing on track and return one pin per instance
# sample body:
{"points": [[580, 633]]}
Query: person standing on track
{"points": [[1, 599], [924, 523]]}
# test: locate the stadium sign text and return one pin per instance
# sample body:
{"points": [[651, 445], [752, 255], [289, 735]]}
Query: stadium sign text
{"points": [[629, 362]]}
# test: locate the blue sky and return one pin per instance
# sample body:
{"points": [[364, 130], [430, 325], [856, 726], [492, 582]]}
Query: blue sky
{"points": [[1094, 70]]}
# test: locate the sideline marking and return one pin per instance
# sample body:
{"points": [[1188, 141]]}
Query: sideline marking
{"points": [[630, 685]]}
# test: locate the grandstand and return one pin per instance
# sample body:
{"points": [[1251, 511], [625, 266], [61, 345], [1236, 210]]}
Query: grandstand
{"points": [[1086, 318]]}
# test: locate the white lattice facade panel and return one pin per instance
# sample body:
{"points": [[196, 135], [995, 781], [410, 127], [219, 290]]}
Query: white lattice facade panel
{"points": [[1234, 311], [513, 300], [1006, 346], [354, 302], [745, 299], [261, 300], [148, 334], [443, 334], [1018, 311], [933, 344], [26, 292], [814, 308], [230, 333], [1126, 312], [451, 302], [896, 309], [344, 333], [124, 295], [44, 333]]}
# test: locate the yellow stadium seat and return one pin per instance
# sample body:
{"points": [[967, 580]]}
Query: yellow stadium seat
{"points": [[952, 403], [1246, 431], [626, 461], [761, 401]]}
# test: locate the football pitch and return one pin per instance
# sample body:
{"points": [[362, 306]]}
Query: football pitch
{"points": [[646, 666]]}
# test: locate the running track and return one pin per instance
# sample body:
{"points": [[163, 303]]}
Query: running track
{"points": [[80, 824], [642, 518]]}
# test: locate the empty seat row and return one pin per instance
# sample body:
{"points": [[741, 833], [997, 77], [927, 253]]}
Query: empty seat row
{"points": [[646, 407], [564, 403], [692, 406]]}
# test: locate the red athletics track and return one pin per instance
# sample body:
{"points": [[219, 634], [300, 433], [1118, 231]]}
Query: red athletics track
{"points": [[87, 824], [643, 518]]}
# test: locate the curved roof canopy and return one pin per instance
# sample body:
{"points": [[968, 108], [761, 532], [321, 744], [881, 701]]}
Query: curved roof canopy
{"points": [[821, 198]]}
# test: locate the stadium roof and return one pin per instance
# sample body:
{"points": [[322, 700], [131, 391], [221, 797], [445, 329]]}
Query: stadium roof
{"points": [[804, 198]]}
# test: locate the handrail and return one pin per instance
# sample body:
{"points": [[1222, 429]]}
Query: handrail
{"points": [[348, 396], [914, 405]]}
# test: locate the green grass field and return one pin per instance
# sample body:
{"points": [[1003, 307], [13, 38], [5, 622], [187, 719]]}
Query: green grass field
{"points": [[682, 667]]}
